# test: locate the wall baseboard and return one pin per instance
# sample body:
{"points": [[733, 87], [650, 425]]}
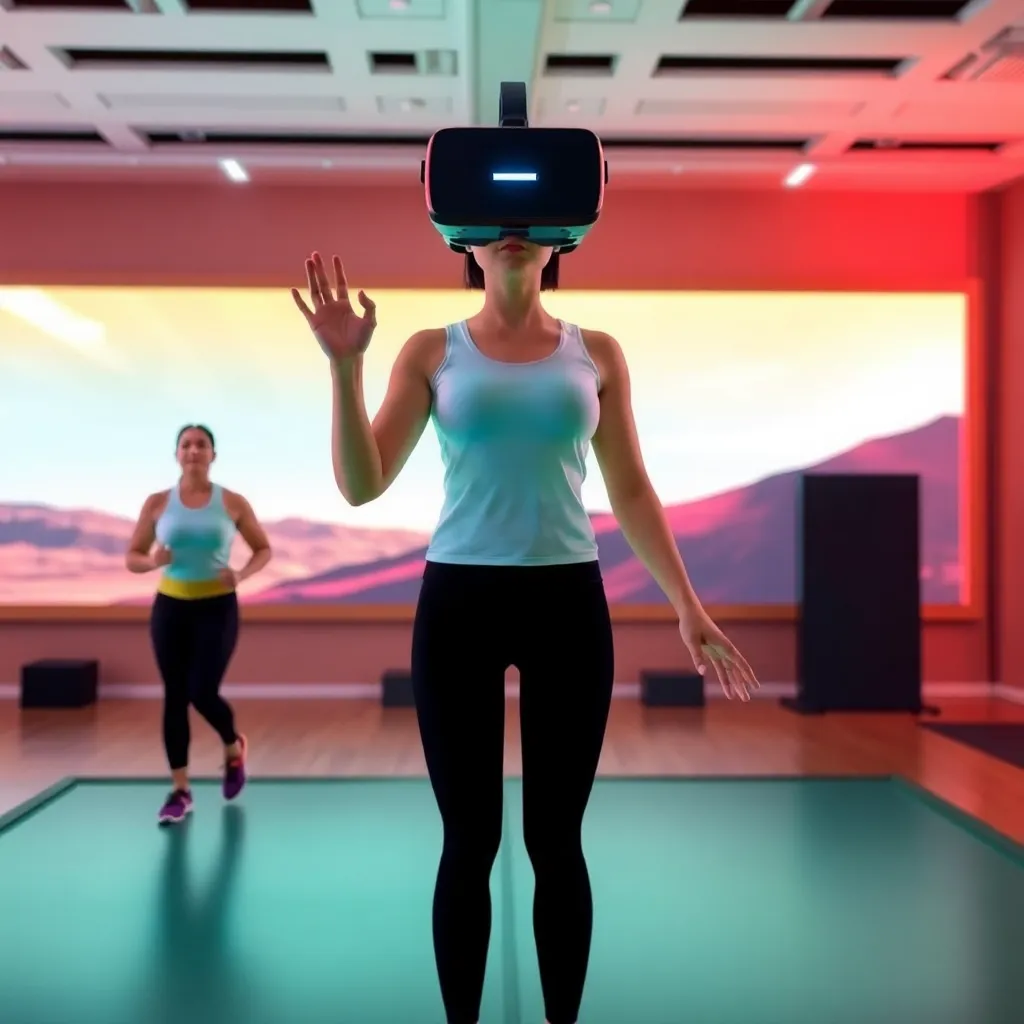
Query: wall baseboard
{"points": [[371, 691], [1014, 694]]}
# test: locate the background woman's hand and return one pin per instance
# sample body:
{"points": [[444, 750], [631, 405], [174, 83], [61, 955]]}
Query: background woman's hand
{"points": [[228, 577], [339, 330]]}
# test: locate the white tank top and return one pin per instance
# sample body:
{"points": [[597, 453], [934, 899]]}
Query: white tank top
{"points": [[514, 440]]}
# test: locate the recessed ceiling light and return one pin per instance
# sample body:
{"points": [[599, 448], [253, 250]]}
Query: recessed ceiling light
{"points": [[398, 5], [234, 170], [600, 7], [800, 175], [573, 106]]}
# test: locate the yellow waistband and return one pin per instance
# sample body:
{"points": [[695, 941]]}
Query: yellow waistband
{"points": [[191, 590]]}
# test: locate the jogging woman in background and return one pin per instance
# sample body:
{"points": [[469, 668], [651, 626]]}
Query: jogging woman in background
{"points": [[512, 578], [194, 622]]}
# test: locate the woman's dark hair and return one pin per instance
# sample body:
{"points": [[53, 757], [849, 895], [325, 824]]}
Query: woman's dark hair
{"points": [[474, 275], [196, 426]]}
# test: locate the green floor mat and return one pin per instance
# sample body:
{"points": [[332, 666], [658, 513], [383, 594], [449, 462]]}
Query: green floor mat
{"points": [[734, 901], [306, 903], [788, 902]]}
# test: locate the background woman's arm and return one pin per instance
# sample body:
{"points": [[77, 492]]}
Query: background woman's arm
{"points": [[252, 532], [138, 559]]}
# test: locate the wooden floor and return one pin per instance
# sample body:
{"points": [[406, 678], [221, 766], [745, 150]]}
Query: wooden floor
{"points": [[350, 737]]}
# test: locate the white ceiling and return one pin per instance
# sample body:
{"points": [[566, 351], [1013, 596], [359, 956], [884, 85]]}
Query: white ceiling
{"points": [[953, 88]]}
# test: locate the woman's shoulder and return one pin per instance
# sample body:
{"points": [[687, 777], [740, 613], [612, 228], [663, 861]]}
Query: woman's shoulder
{"points": [[598, 340], [603, 349], [425, 350], [234, 503], [428, 340], [157, 501]]}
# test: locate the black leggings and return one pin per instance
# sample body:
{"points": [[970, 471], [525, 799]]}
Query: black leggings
{"points": [[552, 623], [193, 641]]}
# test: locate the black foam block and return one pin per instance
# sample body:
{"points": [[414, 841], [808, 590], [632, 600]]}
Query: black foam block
{"points": [[671, 689], [396, 689], [59, 683]]}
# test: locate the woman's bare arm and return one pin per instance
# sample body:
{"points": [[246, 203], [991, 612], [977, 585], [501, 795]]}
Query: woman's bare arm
{"points": [[138, 559], [637, 507], [251, 531], [367, 457]]}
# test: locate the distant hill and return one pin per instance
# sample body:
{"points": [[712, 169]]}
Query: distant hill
{"points": [[71, 556], [740, 545]]}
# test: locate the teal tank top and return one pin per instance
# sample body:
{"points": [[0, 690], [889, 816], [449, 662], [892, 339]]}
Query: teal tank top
{"points": [[199, 539], [514, 440]]}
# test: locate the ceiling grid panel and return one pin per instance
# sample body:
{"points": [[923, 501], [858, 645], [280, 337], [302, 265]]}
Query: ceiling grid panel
{"points": [[877, 93]]}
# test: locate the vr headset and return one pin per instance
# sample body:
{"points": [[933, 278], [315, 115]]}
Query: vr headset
{"points": [[545, 185]]}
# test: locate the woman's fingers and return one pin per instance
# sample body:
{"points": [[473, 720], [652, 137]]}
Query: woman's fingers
{"points": [[339, 277], [301, 303], [316, 293]]}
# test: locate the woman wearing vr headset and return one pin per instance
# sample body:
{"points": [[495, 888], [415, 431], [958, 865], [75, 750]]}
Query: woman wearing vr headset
{"points": [[517, 398]]}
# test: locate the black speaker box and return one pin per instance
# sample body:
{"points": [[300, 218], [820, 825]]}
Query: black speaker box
{"points": [[859, 578]]}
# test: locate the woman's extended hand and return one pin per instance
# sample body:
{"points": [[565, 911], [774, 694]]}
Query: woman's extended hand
{"points": [[708, 644], [339, 330]]}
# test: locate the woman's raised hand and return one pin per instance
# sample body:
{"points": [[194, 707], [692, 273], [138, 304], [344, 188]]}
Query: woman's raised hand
{"points": [[340, 331]]}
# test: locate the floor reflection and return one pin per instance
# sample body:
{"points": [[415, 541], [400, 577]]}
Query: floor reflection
{"points": [[196, 972]]}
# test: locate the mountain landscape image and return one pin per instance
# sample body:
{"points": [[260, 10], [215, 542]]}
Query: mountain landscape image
{"points": [[740, 545], [68, 556]]}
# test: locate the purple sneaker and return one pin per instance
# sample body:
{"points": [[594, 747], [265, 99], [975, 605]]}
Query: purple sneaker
{"points": [[234, 771], [176, 808]]}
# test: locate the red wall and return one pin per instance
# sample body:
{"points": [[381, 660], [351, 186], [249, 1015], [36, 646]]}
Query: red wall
{"points": [[1004, 254], [645, 239], [203, 234]]}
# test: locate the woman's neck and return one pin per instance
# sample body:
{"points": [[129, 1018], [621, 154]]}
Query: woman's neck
{"points": [[194, 484], [512, 306]]}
